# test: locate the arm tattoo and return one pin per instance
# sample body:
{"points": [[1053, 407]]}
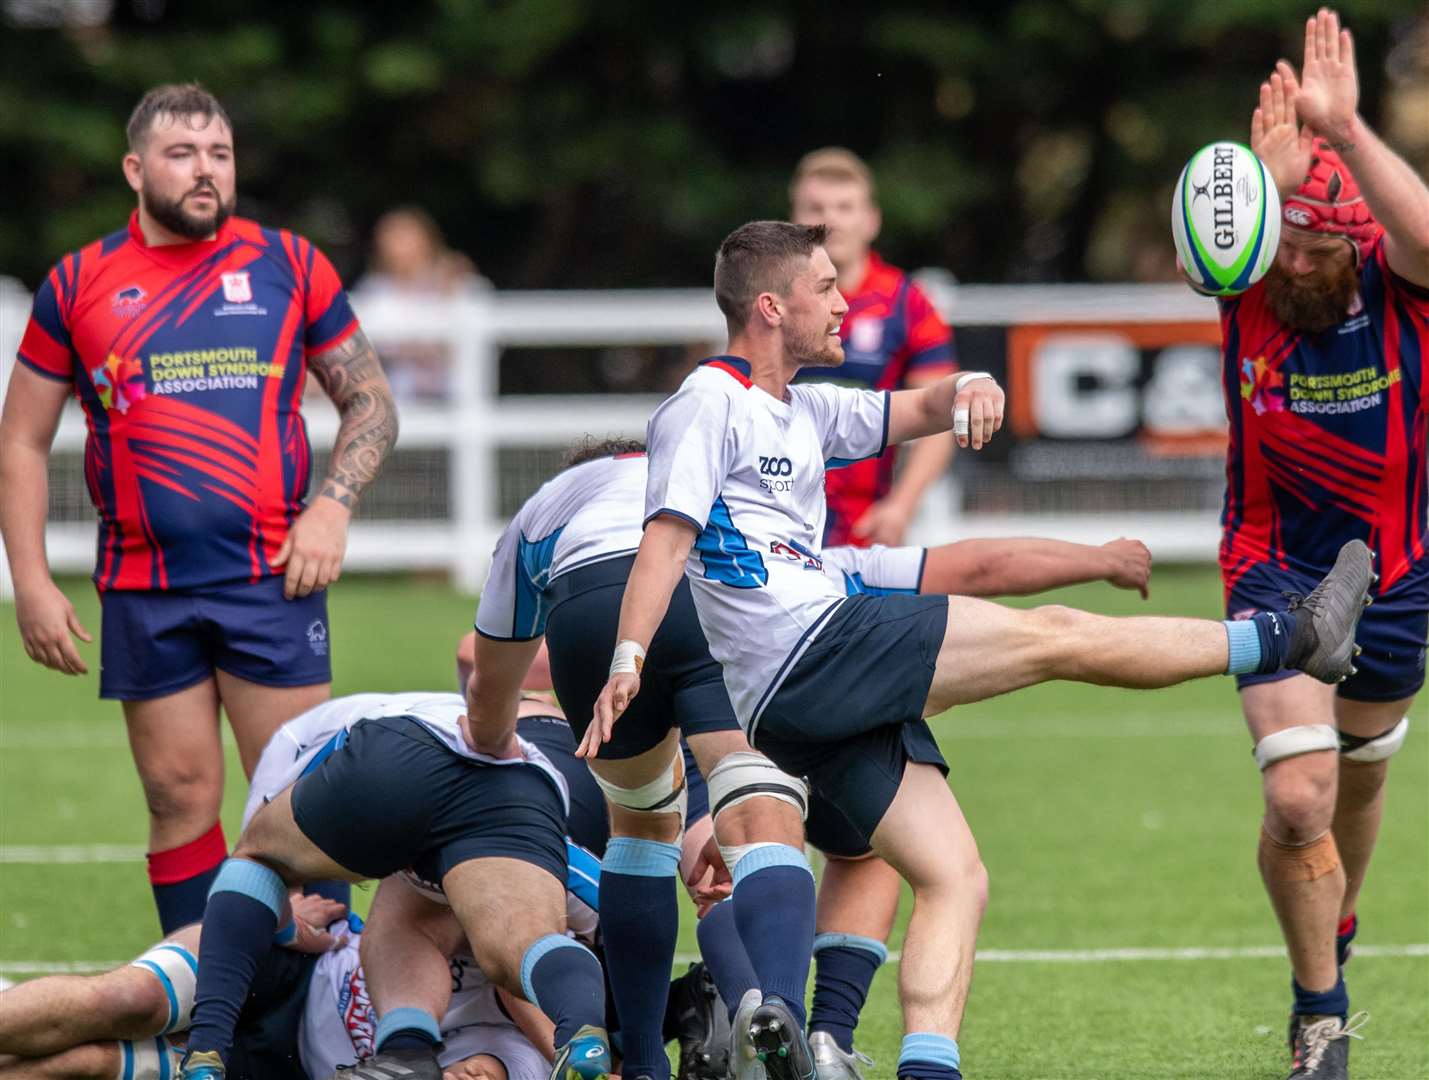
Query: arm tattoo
{"points": [[352, 376]]}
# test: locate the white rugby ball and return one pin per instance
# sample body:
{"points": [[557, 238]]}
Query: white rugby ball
{"points": [[1225, 219]]}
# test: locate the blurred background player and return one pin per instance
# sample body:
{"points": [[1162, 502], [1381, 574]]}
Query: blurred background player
{"points": [[1324, 378], [186, 338], [893, 340]]}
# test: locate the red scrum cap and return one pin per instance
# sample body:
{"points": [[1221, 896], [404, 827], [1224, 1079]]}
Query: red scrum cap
{"points": [[1329, 201]]}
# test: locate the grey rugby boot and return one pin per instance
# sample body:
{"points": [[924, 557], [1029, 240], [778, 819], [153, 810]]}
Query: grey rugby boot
{"points": [[703, 1026], [1321, 1046], [779, 1041], [744, 1063], [830, 1061], [1323, 645], [404, 1064]]}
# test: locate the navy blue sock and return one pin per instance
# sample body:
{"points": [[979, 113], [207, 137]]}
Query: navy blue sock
{"points": [[181, 877], [774, 910], [563, 979], [844, 966], [1260, 644], [1345, 934], [722, 950], [925, 1056], [639, 922], [238, 925], [407, 1028], [341, 891], [1332, 1002]]}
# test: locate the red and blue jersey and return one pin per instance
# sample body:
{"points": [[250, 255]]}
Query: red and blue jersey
{"points": [[1327, 432], [892, 332], [189, 361]]}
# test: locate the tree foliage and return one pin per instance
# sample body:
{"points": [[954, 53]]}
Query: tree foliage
{"points": [[574, 143]]}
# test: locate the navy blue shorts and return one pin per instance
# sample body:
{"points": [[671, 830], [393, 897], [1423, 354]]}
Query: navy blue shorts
{"points": [[154, 643], [588, 825], [265, 1042], [1392, 630], [681, 684], [394, 797], [849, 715]]}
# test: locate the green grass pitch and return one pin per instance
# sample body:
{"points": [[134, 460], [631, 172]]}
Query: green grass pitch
{"points": [[1107, 819]]}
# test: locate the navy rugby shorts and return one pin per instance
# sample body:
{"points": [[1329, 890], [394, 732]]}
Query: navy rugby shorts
{"points": [[849, 715], [394, 797], [156, 642]]}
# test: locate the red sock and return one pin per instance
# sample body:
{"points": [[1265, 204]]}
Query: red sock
{"points": [[181, 876], [1346, 925]]}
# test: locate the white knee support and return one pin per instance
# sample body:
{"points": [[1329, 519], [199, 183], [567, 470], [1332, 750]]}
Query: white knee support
{"points": [[666, 794], [746, 775], [1377, 748], [177, 971], [1292, 742], [148, 1059]]}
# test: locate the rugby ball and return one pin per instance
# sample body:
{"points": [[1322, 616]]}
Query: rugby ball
{"points": [[1225, 219]]}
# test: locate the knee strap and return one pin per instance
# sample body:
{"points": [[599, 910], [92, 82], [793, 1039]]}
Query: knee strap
{"points": [[177, 971], [148, 1059], [1298, 862], [666, 794], [1376, 747], [1292, 742], [748, 774]]}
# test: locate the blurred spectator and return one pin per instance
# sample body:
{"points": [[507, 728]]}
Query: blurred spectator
{"points": [[410, 259]]}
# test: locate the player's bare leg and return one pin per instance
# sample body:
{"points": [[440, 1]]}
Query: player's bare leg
{"points": [[1359, 802], [1298, 859], [92, 1061], [949, 895], [177, 750], [406, 948], [256, 711]]}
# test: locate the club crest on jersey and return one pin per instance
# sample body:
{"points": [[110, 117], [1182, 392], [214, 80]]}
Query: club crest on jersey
{"points": [[1263, 387], [866, 335], [129, 301], [317, 637], [794, 551], [119, 383], [236, 288]]}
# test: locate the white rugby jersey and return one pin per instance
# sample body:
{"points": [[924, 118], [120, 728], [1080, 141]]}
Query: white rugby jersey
{"points": [[339, 1025], [747, 471], [294, 747], [876, 570], [583, 515]]}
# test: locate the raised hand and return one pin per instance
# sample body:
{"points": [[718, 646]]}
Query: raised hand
{"points": [[1280, 143], [1329, 90]]}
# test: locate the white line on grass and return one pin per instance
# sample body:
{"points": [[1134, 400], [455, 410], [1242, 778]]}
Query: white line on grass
{"points": [[986, 956], [70, 853]]}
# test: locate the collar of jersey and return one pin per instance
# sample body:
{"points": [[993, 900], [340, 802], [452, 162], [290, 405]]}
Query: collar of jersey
{"points": [[736, 367], [180, 254]]}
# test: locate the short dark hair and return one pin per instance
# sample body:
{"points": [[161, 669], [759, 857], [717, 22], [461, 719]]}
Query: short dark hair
{"points": [[589, 448], [757, 258], [180, 100]]}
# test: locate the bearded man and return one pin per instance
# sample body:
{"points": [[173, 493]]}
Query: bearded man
{"points": [[1324, 380], [187, 338]]}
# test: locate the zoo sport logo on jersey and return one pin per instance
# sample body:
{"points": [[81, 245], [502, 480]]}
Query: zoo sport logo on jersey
{"points": [[773, 470]]}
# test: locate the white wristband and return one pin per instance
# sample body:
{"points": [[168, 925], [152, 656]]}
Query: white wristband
{"points": [[629, 656], [967, 377]]}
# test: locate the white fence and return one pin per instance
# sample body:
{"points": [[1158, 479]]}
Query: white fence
{"points": [[476, 422]]}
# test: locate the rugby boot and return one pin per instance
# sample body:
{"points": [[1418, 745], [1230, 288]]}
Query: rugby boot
{"points": [[203, 1065], [405, 1064], [585, 1057], [830, 1061], [1323, 645], [703, 1026], [779, 1042], [744, 1063], [1320, 1046]]}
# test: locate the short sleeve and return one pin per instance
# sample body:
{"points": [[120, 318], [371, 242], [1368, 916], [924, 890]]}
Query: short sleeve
{"points": [[513, 600], [328, 313], [46, 348], [852, 424], [1378, 276], [688, 449], [877, 570], [930, 342]]}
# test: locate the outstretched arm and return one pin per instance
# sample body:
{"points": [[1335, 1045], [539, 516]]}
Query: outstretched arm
{"points": [[1327, 100], [946, 405], [493, 693], [659, 565], [352, 376], [1019, 566]]}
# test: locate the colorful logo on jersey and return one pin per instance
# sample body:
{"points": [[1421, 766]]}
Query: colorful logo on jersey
{"points": [[317, 637], [236, 288], [1262, 386], [866, 335], [129, 301], [355, 1005], [119, 383], [794, 551]]}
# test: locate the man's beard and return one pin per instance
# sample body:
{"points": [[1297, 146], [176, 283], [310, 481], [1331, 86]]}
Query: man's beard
{"points": [[818, 350], [172, 215], [1314, 302]]}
